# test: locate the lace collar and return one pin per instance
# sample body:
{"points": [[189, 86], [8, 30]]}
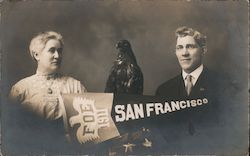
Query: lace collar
{"points": [[47, 76]]}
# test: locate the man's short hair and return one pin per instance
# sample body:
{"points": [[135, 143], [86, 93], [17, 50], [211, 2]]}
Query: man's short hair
{"points": [[38, 43], [198, 37]]}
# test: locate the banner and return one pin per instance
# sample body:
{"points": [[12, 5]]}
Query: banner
{"points": [[92, 118], [88, 117]]}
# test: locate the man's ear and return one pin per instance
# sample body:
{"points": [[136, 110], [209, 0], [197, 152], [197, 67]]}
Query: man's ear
{"points": [[204, 50]]}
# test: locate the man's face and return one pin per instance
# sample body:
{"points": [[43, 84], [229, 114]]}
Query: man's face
{"points": [[49, 59], [189, 53]]}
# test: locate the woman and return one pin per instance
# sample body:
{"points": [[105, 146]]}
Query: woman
{"points": [[40, 92]]}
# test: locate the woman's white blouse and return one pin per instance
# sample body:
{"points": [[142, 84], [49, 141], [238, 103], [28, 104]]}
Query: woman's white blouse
{"points": [[40, 94]]}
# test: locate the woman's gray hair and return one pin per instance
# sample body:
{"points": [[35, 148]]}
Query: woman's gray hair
{"points": [[186, 31], [38, 43]]}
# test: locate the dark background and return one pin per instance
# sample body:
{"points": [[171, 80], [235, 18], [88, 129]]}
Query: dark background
{"points": [[92, 28]]}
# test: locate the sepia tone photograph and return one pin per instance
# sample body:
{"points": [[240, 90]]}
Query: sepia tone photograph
{"points": [[124, 77]]}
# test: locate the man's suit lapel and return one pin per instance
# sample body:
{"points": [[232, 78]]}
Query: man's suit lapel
{"points": [[182, 91], [200, 85], [199, 88]]}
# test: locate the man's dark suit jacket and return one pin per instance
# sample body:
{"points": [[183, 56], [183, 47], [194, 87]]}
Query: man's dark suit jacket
{"points": [[207, 86], [174, 89]]}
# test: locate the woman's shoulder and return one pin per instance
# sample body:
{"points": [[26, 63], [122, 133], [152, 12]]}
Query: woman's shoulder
{"points": [[24, 82], [70, 80], [67, 78], [18, 90]]}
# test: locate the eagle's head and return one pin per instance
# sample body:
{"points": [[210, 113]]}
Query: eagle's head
{"points": [[125, 53], [123, 45]]}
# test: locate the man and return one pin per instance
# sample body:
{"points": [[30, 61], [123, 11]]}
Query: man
{"points": [[195, 83]]}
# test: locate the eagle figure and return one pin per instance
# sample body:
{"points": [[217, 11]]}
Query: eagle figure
{"points": [[125, 76]]}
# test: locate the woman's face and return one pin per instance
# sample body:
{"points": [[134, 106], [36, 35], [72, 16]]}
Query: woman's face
{"points": [[49, 59]]}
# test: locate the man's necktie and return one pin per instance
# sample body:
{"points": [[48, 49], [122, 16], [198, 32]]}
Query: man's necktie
{"points": [[189, 85]]}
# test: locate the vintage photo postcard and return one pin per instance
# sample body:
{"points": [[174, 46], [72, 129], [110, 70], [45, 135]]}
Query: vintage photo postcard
{"points": [[124, 77]]}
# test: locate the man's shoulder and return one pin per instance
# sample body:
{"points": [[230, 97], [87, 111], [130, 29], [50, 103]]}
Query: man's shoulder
{"points": [[212, 76], [214, 82], [169, 85], [172, 81]]}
